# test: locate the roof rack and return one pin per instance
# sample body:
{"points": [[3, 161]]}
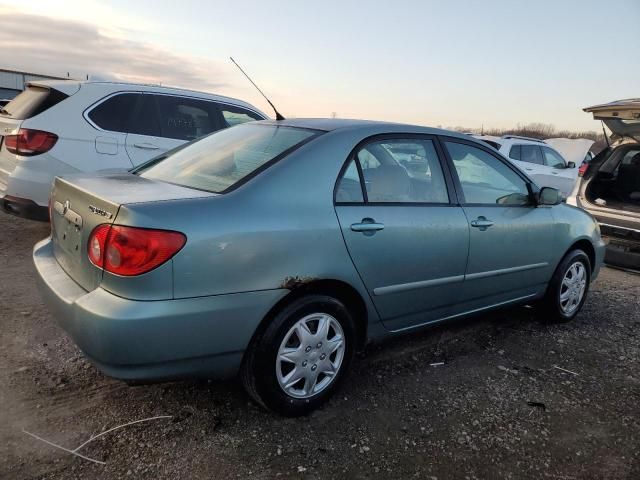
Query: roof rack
{"points": [[506, 137]]}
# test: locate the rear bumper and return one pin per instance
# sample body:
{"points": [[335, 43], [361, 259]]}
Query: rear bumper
{"points": [[25, 208], [153, 340], [621, 235], [623, 246]]}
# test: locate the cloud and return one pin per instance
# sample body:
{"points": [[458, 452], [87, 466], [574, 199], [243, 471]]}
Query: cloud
{"points": [[56, 46]]}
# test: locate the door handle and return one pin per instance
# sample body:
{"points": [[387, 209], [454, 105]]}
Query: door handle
{"points": [[554, 172], [146, 146], [482, 223], [368, 226], [529, 169]]}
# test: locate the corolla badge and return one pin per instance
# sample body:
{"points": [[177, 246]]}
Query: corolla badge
{"points": [[100, 211]]}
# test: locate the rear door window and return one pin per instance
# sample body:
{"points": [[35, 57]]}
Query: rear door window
{"points": [[514, 153], [531, 154], [144, 120], [33, 101], [399, 170], [114, 114], [185, 118], [349, 189], [236, 115]]}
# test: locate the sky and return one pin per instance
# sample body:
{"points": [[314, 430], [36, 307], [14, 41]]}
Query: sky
{"points": [[453, 63]]}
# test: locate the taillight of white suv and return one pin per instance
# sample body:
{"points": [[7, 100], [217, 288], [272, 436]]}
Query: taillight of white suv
{"points": [[28, 142]]}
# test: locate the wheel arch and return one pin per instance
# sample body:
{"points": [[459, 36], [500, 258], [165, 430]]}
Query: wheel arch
{"points": [[338, 289], [587, 247]]}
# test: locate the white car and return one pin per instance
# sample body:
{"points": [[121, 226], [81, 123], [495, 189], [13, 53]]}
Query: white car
{"points": [[537, 159], [63, 127]]}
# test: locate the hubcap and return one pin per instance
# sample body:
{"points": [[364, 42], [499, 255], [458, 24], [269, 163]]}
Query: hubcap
{"points": [[573, 287], [310, 355]]}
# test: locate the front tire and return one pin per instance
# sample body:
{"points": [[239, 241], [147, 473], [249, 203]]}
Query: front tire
{"points": [[568, 288], [299, 360]]}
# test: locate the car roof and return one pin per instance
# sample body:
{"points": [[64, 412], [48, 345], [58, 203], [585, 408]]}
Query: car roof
{"points": [[64, 85], [370, 127]]}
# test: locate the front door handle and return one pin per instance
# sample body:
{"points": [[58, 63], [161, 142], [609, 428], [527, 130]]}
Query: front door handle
{"points": [[482, 223], [368, 226], [146, 146], [554, 172], [529, 169]]}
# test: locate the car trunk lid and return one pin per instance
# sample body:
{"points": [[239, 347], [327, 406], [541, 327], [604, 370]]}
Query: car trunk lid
{"points": [[81, 203], [622, 117]]}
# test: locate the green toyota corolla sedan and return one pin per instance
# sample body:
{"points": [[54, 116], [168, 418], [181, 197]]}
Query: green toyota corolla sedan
{"points": [[274, 250]]}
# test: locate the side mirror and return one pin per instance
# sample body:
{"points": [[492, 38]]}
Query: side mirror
{"points": [[571, 165], [549, 196]]}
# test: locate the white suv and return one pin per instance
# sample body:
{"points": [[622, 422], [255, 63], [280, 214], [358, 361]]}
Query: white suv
{"points": [[63, 127], [538, 160]]}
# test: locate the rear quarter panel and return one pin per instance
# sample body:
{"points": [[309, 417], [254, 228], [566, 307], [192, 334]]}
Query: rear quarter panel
{"points": [[277, 230]]}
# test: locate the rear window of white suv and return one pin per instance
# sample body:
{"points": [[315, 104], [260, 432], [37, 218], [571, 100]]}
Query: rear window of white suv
{"points": [[32, 101]]}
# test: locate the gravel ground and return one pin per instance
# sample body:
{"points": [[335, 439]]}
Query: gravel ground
{"points": [[397, 416]]}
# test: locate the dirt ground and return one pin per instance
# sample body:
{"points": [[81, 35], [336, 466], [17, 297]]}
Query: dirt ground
{"points": [[396, 417]]}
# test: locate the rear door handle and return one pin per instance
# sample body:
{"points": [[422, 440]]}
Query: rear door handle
{"points": [[146, 146], [482, 223], [529, 169], [368, 226]]}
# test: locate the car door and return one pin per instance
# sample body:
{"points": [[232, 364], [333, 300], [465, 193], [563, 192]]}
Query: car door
{"points": [[510, 237], [402, 226], [562, 178]]}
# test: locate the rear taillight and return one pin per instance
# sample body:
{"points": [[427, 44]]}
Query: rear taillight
{"points": [[583, 169], [130, 251], [28, 142]]}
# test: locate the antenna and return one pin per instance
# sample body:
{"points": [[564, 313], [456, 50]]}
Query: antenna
{"points": [[278, 115]]}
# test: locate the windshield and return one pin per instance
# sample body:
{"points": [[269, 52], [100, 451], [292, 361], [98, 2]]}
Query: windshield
{"points": [[218, 162]]}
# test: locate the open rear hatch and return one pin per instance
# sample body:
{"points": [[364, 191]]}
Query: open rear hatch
{"points": [[622, 117], [82, 202]]}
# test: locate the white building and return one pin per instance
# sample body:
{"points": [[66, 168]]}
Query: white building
{"points": [[12, 81]]}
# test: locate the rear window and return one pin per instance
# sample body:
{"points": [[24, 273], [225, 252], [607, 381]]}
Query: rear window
{"points": [[33, 101], [218, 162]]}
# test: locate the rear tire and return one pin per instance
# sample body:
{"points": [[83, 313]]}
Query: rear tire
{"points": [[300, 359], [568, 288]]}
